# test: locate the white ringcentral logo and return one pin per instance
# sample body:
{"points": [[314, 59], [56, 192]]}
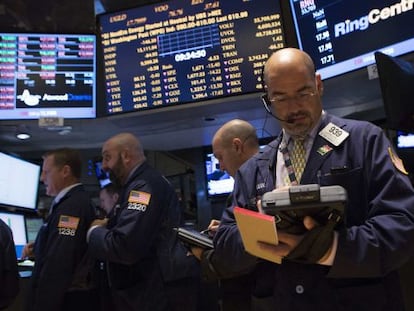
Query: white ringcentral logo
{"points": [[373, 17]]}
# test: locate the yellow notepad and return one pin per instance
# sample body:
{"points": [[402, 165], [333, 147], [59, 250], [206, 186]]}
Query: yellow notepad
{"points": [[253, 227]]}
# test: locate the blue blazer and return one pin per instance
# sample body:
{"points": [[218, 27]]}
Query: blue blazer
{"points": [[377, 239]]}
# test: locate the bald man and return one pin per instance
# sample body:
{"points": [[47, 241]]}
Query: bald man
{"points": [[357, 268], [233, 144], [130, 243]]}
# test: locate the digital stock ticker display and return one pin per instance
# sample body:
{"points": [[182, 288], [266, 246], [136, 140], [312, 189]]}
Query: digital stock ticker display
{"points": [[178, 52]]}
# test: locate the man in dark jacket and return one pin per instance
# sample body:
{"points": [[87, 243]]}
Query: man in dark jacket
{"points": [[9, 277], [59, 279], [130, 242], [358, 268], [233, 144]]}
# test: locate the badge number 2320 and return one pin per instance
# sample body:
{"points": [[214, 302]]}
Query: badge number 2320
{"points": [[334, 134]]}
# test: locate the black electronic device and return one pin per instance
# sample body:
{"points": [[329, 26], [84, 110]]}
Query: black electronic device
{"points": [[47, 75], [396, 77], [194, 237], [291, 205], [20, 182], [181, 51], [343, 35]]}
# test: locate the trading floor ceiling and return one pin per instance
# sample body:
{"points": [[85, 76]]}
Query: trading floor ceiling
{"points": [[184, 127], [66, 16]]}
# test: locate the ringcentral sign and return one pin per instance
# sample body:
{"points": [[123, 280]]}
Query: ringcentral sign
{"points": [[373, 17]]}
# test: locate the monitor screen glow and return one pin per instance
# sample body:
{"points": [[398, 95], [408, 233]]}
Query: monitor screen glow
{"points": [[405, 140], [17, 225], [101, 175], [33, 225], [218, 181], [19, 182], [183, 51], [342, 36], [47, 75]]}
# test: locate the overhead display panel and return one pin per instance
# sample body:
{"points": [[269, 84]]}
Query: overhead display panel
{"points": [[342, 36], [178, 51], [47, 75]]}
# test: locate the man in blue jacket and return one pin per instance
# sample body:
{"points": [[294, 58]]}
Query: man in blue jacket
{"points": [[134, 242], [60, 279], [358, 269]]}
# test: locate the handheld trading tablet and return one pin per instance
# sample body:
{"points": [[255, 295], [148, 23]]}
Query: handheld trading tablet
{"points": [[194, 237], [291, 205]]}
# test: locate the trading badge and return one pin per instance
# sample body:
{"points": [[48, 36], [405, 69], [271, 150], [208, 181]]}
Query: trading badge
{"points": [[398, 163], [67, 225], [68, 222], [139, 197], [334, 134]]}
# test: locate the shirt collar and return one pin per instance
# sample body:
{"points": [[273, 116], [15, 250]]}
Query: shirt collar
{"points": [[312, 134], [133, 171], [64, 191]]}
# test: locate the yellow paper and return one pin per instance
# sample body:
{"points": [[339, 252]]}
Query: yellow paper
{"points": [[253, 227]]}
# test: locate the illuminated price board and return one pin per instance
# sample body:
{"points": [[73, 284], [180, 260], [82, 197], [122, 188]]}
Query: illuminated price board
{"points": [[187, 51]]}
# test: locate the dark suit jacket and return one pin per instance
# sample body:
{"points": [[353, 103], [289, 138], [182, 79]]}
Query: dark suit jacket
{"points": [[9, 277], [378, 236], [59, 249]]}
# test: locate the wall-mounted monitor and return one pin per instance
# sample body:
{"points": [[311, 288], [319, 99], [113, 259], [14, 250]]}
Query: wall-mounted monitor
{"points": [[101, 175], [182, 51], [219, 182], [19, 182], [396, 79], [405, 140], [47, 75], [342, 35], [17, 225]]}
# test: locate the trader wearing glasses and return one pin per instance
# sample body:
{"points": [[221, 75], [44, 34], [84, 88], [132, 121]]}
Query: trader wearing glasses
{"points": [[356, 267]]}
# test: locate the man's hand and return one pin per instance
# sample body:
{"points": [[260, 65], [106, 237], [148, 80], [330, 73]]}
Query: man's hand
{"points": [[214, 224], [99, 222], [197, 252], [212, 227], [28, 251], [288, 242]]}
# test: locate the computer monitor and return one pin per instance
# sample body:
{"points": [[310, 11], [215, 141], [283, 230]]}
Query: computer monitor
{"points": [[17, 225], [19, 182], [342, 36], [183, 51], [33, 225], [47, 75]]}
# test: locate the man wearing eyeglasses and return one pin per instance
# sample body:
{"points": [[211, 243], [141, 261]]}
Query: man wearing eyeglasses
{"points": [[357, 267]]}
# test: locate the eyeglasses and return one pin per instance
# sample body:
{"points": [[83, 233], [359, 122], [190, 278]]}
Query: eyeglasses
{"points": [[301, 97]]}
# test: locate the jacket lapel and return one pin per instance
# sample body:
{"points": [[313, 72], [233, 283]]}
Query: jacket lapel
{"points": [[320, 152]]}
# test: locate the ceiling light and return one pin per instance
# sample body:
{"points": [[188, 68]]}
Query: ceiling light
{"points": [[23, 133]]}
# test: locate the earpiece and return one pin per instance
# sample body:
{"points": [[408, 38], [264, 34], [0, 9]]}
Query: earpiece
{"points": [[265, 99]]}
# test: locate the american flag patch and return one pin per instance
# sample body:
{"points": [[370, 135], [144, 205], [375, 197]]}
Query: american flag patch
{"points": [[139, 197], [69, 222]]}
